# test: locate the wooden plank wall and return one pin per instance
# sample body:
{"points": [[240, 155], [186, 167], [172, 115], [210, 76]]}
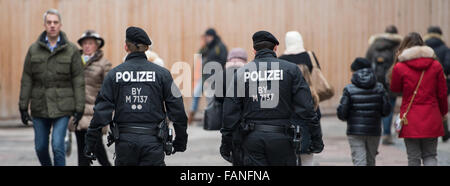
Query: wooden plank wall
{"points": [[336, 30]]}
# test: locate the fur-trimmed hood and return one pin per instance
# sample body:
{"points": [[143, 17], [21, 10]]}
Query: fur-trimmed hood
{"points": [[418, 57], [388, 36], [416, 52], [432, 35]]}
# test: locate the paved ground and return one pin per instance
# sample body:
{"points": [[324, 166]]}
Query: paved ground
{"points": [[17, 148]]}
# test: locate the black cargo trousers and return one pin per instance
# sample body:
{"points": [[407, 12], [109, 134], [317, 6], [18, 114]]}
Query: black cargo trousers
{"points": [[268, 149], [139, 150]]}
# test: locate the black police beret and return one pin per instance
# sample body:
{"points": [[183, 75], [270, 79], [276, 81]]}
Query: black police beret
{"points": [[137, 36], [264, 36], [360, 63]]}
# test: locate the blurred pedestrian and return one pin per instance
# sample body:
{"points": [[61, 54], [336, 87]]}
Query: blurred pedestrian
{"points": [[434, 40], [420, 78], [381, 55], [214, 112], [53, 81], [152, 56], [295, 53], [364, 102], [96, 67], [213, 51]]}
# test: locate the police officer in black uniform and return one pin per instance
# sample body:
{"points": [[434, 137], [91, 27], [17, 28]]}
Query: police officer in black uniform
{"points": [[139, 93], [274, 98]]}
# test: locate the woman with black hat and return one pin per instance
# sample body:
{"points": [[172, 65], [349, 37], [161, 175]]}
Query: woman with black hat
{"points": [[96, 66]]}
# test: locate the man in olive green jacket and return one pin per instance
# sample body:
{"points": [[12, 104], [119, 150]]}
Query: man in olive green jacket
{"points": [[53, 81]]}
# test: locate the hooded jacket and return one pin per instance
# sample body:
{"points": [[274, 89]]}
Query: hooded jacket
{"points": [[52, 81], [439, 47], [363, 103], [442, 52], [381, 54], [430, 104]]}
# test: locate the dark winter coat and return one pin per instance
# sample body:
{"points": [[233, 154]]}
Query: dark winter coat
{"points": [[381, 54], [215, 51], [430, 104], [363, 104], [52, 81], [443, 54]]}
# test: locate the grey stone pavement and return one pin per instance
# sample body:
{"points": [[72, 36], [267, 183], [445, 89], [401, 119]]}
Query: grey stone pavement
{"points": [[17, 148]]}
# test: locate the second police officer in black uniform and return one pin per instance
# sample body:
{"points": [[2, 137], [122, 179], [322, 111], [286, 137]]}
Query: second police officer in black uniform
{"points": [[268, 95], [139, 93]]}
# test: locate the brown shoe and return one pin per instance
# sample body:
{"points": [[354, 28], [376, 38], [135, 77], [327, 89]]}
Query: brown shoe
{"points": [[387, 140]]}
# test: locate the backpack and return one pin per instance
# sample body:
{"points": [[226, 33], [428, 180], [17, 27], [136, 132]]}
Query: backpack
{"points": [[382, 60]]}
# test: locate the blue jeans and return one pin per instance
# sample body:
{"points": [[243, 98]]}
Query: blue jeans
{"points": [[387, 121], [197, 96], [42, 128]]}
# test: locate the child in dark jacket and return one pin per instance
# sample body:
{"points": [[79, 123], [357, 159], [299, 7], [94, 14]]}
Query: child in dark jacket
{"points": [[363, 104]]}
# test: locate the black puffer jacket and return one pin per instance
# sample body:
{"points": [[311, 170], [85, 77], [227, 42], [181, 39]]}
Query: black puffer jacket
{"points": [[363, 103]]}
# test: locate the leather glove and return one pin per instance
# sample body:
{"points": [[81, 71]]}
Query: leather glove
{"points": [[88, 153], [179, 145], [25, 116], [76, 118], [91, 139], [316, 145], [226, 148]]}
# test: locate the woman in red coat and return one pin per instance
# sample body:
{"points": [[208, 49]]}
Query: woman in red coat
{"points": [[429, 106]]}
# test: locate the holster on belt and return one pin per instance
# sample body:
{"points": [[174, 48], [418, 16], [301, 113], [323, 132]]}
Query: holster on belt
{"points": [[166, 137]]}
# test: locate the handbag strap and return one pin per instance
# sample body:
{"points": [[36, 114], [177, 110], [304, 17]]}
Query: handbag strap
{"points": [[414, 95], [313, 59]]}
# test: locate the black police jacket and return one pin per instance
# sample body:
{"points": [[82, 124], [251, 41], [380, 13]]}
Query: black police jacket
{"points": [[363, 103], [139, 93], [255, 96]]}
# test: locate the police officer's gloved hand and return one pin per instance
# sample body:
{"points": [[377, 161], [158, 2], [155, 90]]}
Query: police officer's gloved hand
{"points": [[179, 144], [92, 136], [76, 118], [89, 153], [25, 116], [316, 144], [226, 148]]}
